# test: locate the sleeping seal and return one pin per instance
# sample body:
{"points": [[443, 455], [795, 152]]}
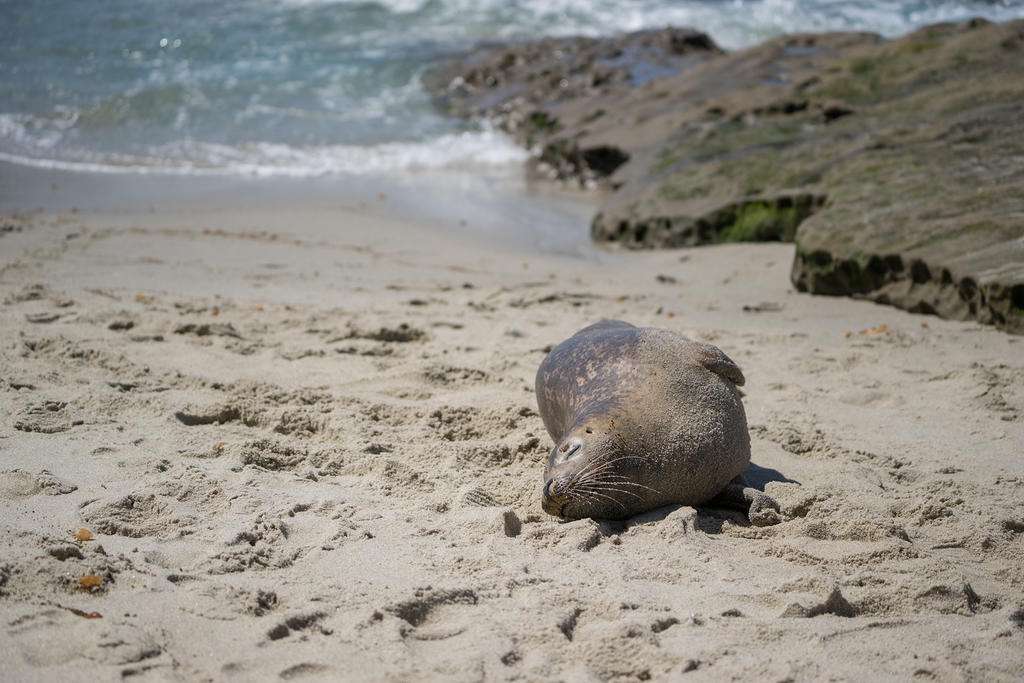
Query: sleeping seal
{"points": [[641, 418]]}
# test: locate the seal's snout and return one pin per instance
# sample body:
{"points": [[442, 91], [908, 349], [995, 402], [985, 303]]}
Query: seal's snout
{"points": [[552, 498]]}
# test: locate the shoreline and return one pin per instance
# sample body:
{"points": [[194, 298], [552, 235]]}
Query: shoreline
{"points": [[501, 204]]}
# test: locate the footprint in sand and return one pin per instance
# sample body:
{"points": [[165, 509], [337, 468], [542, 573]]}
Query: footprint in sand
{"points": [[17, 484], [135, 515], [48, 417]]}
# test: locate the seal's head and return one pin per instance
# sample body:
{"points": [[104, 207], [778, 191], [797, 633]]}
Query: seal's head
{"points": [[590, 473]]}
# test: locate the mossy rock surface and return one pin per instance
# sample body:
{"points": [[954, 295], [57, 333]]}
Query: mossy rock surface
{"points": [[895, 166]]}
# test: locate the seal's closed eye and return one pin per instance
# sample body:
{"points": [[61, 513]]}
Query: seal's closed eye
{"points": [[569, 450]]}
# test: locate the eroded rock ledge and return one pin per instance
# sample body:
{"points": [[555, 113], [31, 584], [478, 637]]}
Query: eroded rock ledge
{"points": [[896, 166]]}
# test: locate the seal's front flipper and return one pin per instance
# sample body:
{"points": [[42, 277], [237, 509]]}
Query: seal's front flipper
{"points": [[761, 509], [715, 360]]}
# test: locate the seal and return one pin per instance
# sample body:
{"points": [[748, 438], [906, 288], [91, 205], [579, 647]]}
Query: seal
{"points": [[643, 417]]}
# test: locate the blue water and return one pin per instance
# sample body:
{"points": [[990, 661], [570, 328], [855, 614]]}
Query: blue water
{"points": [[319, 87]]}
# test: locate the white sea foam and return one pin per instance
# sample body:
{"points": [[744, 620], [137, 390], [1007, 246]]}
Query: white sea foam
{"points": [[459, 151], [732, 23], [742, 23]]}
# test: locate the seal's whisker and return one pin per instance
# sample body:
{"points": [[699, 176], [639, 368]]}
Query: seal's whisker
{"points": [[589, 469], [589, 476], [600, 466], [597, 484], [605, 481], [589, 493], [622, 481], [610, 488], [606, 472], [621, 458], [598, 472], [616, 491], [578, 495]]}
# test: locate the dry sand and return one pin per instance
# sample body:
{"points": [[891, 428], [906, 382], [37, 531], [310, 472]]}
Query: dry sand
{"points": [[305, 441]]}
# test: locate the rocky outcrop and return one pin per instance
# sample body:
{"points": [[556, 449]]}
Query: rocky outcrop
{"points": [[553, 93], [896, 166]]}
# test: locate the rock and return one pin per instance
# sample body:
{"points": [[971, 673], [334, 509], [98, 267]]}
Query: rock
{"points": [[928, 212], [893, 165], [510, 523], [551, 94]]}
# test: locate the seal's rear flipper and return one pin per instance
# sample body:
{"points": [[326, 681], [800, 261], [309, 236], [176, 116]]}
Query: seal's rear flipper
{"points": [[761, 509]]}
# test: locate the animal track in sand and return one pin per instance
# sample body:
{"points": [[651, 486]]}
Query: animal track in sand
{"points": [[299, 622], [476, 496], [16, 483], [274, 455], [997, 388], [117, 644], [37, 292], [999, 381], [426, 601], [394, 476], [194, 487], [83, 359], [135, 515], [619, 649], [928, 591], [301, 413], [275, 395], [464, 423], [301, 422], [262, 603], [218, 414], [486, 456], [578, 536], [208, 330], [257, 547], [812, 442], [222, 601], [454, 376], [48, 417], [574, 298], [456, 423], [303, 669], [384, 413], [835, 604], [401, 333]]}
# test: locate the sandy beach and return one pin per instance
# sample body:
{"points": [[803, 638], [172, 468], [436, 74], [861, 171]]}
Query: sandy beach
{"points": [[302, 440]]}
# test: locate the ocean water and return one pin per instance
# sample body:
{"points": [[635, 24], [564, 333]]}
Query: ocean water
{"points": [[320, 87]]}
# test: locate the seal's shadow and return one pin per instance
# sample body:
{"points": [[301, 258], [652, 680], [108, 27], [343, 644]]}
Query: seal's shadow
{"points": [[710, 520], [758, 476]]}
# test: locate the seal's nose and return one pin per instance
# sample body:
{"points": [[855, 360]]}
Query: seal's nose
{"points": [[550, 501]]}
